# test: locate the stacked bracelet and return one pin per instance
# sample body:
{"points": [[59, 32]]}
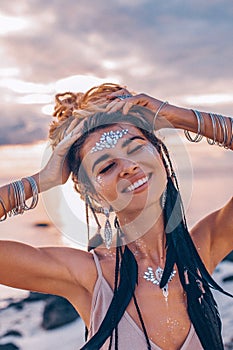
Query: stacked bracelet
{"points": [[20, 197], [223, 129], [219, 127]]}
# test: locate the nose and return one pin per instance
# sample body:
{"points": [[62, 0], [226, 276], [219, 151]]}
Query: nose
{"points": [[128, 168]]}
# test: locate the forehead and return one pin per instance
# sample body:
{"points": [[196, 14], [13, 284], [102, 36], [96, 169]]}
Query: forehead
{"points": [[94, 137]]}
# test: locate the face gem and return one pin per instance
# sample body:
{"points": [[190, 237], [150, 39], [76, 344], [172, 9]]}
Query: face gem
{"points": [[109, 140]]}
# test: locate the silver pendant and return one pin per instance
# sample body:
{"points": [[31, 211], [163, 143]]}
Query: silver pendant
{"points": [[156, 277]]}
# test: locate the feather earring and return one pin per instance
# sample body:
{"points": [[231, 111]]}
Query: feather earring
{"points": [[107, 229]]}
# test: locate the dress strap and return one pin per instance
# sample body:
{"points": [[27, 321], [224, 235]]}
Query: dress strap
{"points": [[97, 264]]}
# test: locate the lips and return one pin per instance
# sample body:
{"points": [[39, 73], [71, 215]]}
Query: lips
{"points": [[137, 184]]}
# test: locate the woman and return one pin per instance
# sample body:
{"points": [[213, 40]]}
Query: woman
{"points": [[105, 138]]}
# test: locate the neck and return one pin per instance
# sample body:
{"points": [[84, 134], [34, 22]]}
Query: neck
{"points": [[145, 236]]}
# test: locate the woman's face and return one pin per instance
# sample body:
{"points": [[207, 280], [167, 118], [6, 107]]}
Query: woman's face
{"points": [[128, 177]]}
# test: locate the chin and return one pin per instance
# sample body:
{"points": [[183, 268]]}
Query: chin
{"points": [[139, 205]]}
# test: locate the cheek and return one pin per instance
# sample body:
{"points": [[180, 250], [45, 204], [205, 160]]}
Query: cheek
{"points": [[161, 170], [105, 188]]}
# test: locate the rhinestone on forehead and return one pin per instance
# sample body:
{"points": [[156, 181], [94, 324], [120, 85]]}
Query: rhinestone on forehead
{"points": [[109, 140]]}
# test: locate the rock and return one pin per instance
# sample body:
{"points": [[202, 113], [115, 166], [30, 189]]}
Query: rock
{"points": [[228, 279], [58, 312], [229, 346], [9, 346], [34, 296], [12, 333], [42, 224], [18, 305]]}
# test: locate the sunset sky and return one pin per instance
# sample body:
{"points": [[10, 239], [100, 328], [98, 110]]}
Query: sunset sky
{"points": [[176, 50]]}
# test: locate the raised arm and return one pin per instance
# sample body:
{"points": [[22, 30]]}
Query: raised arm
{"points": [[46, 270], [217, 128], [55, 270]]}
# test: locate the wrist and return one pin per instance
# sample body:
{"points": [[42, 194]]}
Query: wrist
{"points": [[42, 182], [179, 117]]}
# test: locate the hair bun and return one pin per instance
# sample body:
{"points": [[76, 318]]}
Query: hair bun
{"points": [[70, 105]]}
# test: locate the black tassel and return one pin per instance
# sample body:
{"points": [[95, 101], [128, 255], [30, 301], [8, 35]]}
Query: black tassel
{"points": [[203, 312], [172, 218], [95, 241], [169, 264]]}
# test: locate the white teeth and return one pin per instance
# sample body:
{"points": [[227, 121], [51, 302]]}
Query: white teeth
{"points": [[137, 184]]}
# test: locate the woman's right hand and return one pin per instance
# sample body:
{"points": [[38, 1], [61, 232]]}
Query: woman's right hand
{"points": [[56, 171]]}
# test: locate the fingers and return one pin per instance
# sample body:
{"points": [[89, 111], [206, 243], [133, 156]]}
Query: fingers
{"points": [[75, 132], [125, 104], [72, 125], [115, 105], [117, 93], [74, 128]]}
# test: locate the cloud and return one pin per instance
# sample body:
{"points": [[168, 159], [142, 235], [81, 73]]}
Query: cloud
{"points": [[168, 49], [22, 124]]}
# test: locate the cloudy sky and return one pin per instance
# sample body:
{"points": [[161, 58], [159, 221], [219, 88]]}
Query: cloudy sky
{"points": [[176, 50]]}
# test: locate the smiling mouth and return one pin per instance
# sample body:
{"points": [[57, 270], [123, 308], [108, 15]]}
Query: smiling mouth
{"points": [[137, 184]]}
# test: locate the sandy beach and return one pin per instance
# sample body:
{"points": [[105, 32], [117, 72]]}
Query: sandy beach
{"points": [[207, 185]]}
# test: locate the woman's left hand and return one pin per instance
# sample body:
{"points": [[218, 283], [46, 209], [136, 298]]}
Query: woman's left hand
{"points": [[119, 102], [123, 100]]}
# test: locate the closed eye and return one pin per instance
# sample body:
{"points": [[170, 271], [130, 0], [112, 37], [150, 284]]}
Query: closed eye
{"points": [[104, 170], [135, 149]]}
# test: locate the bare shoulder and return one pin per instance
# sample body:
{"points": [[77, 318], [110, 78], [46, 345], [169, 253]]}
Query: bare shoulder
{"points": [[79, 263], [213, 235], [107, 261]]}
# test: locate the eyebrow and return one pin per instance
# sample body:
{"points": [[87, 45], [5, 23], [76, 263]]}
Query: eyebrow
{"points": [[124, 144], [99, 160]]}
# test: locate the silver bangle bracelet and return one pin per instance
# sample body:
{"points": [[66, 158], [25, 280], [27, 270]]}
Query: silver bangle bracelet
{"points": [[34, 188], [212, 141], [157, 113], [200, 127], [224, 129], [231, 134], [4, 209], [220, 127]]}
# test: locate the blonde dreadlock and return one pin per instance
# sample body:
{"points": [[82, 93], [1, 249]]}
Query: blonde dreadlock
{"points": [[70, 106]]}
